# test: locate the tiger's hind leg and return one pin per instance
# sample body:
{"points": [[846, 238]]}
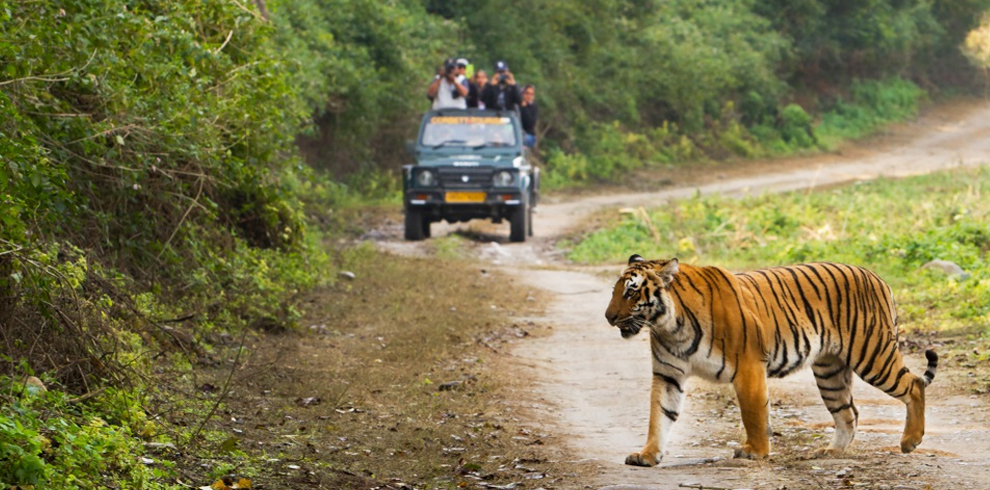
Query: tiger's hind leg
{"points": [[834, 380], [893, 378], [914, 426]]}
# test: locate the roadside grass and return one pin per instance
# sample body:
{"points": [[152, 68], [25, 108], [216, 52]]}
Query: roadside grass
{"points": [[450, 246], [871, 106], [891, 226], [346, 208], [392, 380]]}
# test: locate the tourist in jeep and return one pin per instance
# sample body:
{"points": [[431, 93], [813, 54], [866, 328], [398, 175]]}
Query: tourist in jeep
{"points": [[528, 114], [477, 84], [501, 93], [449, 89]]}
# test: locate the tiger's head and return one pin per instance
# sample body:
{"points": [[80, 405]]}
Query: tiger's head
{"points": [[640, 298]]}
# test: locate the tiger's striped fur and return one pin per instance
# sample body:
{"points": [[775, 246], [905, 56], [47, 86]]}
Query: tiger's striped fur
{"points": [[742, 328]]}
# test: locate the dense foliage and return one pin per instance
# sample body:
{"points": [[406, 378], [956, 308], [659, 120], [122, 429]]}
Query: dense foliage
{"points": [[361, 68], [147, 165], [153, 137], [49, 441], [892, 226], [676, 80]]}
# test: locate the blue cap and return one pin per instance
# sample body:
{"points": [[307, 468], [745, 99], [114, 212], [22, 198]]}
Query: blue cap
{"points": [[501, 66]]}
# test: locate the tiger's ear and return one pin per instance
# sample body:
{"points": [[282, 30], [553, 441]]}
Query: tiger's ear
{"points": [[668, 271], [636, 258]]}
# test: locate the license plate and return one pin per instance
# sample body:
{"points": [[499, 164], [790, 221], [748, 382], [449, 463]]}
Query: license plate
{"points": [[465, 197]]}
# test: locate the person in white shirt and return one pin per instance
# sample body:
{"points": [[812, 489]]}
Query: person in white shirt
{"points": [[449, 89]]}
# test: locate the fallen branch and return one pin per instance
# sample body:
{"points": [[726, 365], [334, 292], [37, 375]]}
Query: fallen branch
{"points": [[701, 487], [225, 41], [253, 14], [224, 392], [54, 77], [87, 396], [183, 220]]}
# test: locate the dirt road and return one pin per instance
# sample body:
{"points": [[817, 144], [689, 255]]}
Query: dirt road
{"points": [[591, 387]]}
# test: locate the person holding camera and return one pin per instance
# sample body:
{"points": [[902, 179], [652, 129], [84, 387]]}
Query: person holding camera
{"points": [[501, 93], [449, 89]]}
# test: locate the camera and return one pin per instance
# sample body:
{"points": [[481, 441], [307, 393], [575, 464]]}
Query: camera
{"points": [[448, 67], [501, 68]]}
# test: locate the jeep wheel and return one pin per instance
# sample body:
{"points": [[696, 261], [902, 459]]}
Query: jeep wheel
{"points": [[414, 225], [426, 227], [529, 220], [519, 222]]}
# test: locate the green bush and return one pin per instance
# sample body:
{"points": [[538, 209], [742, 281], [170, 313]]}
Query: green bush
{"points": [[361, 68], [608, 151], [738, 141], [153, 125], [48, 441], [565, 169], [796, 127], [157, 146], [147, 165], [871, 104], [20, 455]]}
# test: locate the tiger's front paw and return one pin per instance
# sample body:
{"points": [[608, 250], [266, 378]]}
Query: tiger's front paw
{"points": [[747, 451], [908, 444], [643, 459], [828, 453]]}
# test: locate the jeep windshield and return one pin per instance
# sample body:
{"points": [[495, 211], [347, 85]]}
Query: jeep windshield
{"points": [[468, 131]]}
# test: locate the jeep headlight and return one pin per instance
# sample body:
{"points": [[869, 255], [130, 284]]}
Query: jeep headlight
{"points": [[425, 178], [503, 178]]}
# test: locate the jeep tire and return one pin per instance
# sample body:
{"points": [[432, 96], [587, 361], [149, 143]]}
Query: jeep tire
{"points": [[519, 223], [414, 225], [529, 220]]}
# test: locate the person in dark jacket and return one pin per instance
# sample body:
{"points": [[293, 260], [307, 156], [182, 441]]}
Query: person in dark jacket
{"points": [[501, 93], [529, 112]]}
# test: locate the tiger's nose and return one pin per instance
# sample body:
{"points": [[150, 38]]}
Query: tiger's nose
{"points": [[611, 316]]}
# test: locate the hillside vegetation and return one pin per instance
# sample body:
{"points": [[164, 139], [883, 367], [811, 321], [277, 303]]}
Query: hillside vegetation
{"points": [[169, 169], [626, 84], [146, 204]]}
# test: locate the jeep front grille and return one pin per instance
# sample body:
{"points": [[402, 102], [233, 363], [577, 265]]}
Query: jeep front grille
{"points": [[466, 177]]}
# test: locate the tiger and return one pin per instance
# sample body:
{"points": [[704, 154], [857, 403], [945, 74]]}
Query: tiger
{"points": [[743, 328]]}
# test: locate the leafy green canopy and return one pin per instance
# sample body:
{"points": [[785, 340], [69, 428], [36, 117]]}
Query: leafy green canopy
{"points": [[362, 69], [720, 73], [157, 113]]}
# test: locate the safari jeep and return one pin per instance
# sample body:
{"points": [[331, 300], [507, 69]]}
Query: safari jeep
{"points": [[470, 164]]}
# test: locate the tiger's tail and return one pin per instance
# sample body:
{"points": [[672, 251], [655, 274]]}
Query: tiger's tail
{"points": [[932, 366]]}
